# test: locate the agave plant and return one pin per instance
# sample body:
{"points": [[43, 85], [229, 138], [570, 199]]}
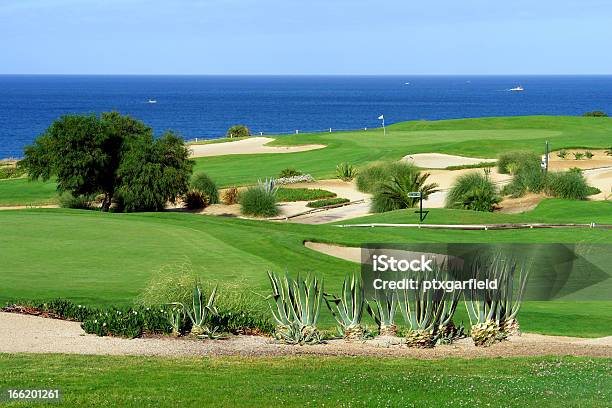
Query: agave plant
{"points": [[508, 274], [200, 310], [345, 171], [268, 185], [383, 312], [295, 306], [175, 317], [348, 308]]}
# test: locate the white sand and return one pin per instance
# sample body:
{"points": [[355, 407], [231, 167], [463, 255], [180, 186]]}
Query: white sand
{"points": [[442, 161], [252, 145]]}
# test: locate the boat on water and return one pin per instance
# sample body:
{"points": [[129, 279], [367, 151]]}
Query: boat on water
{"points": [[152, 100], [517, 89]]}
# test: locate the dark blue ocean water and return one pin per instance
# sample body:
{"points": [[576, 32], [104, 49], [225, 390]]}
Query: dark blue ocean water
{"points": [[205, 106]]}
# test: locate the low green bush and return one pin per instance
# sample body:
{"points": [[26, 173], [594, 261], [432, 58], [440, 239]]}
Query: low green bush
{"points": [[375, 174], [473, 191], [238, 131], [569, 184], [509, 163], [326, 202], [201, 182], [67, 200], [588, 154], [259, 200], [596, 114], [302, 194], [562, 154], [289, 172], [527, 177], [481, 165], [394, 194], [10, 171], [578, 155], [346, 171]]}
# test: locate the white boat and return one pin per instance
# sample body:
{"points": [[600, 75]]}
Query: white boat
{"points": [[517, 89], [152, 101]]}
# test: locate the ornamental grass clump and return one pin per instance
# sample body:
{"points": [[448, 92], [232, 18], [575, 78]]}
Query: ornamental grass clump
{"points": [[348, 308], [569, 184], [346, 171], [259, 200], [473, 191], [296, 305], [204, 184]]}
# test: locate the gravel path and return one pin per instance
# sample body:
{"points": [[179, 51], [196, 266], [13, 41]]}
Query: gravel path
{"points": [[31, 334]]}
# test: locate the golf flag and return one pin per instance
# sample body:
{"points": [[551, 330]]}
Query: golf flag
{"points": [[381, 117]]}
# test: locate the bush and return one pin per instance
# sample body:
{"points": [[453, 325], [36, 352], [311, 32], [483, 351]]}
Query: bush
{"points": [[67, 200], [596, 114], [528, 177], [230, 196], [473, 191], [259, 200], [10, 171], [289, 172], [238, 131], [578, 156], [346, 171], [195, 200], [393, 195], [509, 163], [201, 182], [608, 151], [588, 154], [302, 194], [562, 154], [569, 184], [326, 202], [372, 176]]}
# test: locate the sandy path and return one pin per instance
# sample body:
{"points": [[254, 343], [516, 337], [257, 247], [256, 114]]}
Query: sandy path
{"points": [[31, 334], [442, 161], [251, 145]]}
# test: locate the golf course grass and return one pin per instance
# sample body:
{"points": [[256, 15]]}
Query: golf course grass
{"points": [[305, 381], [107, 259]]}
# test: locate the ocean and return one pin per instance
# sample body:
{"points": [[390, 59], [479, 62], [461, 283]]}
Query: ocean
{"points": [[205, 106]]}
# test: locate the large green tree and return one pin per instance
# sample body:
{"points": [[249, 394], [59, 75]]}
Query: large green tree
{"points": [[85, 153]]}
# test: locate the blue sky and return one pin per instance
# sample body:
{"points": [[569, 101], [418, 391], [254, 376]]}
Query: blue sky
{"points": [[305, 37]]}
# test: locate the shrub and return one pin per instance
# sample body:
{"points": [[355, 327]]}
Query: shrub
{"points": [[596, 114], [528, 177], [326, 202], [238, 131], [473, 191], [372, 176], [201, 182], [81, 202], [569, 184], [588, 154], [289, 172], [578, 156], [393, 195], [230, 196], [9, 171], [127, 322], [608, 151], [302, 194], [592, 190], [562, 153], [195, 200], [346, 171], [509, 163], [259, 200]]}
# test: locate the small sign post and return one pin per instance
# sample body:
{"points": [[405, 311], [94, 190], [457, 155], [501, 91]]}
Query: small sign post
{"points": [[422, 214]]}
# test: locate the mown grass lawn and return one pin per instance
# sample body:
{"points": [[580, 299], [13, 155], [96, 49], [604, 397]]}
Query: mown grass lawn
{"points": [[313, 381], [103, 259]]}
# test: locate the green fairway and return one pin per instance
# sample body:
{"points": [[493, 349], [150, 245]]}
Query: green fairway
{"points": [[23, 192], [102, 259], [485, 138], [313, 381]]}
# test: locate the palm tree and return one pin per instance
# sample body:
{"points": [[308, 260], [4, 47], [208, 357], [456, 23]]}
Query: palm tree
{"points": [[393, 195]]}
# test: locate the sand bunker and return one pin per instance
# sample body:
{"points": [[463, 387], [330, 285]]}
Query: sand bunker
{"points": [[442, 161], [31, 334], [251, 145]]}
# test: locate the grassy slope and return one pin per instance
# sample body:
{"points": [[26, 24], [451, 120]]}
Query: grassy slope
{"points": [[485, 137], [23, 192], [108, 258], [302, 381]]}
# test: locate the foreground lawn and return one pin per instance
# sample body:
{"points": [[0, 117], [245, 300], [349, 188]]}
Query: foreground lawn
{"points": [[313, 381], [103, 259]]}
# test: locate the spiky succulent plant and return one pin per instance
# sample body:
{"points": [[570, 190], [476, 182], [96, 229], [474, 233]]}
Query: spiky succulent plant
{"points": [[348, 308], [382, 308], [295, 306], [200, 310]]}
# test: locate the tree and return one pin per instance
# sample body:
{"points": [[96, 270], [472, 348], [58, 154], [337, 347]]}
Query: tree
{"points": [[238, 131], [154, 172], [85, 152], [394, 194]]}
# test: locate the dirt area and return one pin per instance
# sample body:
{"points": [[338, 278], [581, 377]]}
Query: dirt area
{"points": [[251, 145], [31, 334], [442, 161], [521, 204], [599, 159]]}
